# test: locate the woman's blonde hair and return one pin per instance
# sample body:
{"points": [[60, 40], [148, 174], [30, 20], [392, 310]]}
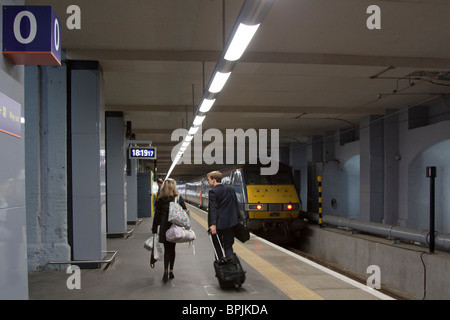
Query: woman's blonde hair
{"points": [[169, 188]]}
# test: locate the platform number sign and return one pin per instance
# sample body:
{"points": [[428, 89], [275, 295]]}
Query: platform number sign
{"points": [[31, 35]]}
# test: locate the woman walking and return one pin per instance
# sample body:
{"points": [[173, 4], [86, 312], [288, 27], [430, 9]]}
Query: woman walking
{"points": [[167, 195]]}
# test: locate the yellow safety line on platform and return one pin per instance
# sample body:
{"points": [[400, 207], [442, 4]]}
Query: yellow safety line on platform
{"points": [[282, 281]]}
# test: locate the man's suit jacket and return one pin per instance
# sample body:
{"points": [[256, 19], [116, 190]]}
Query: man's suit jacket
{"points": [[223, 206]]}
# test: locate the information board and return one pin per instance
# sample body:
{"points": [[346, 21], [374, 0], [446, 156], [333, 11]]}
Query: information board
{"points": [[142, 153], [10, 116]]}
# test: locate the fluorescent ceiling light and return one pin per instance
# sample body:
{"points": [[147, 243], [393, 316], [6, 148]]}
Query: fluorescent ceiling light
{"points": [[198, 120], [193, 130], [241, 39], [170, 170], [219, 81], [185, 144], [206, 105]]}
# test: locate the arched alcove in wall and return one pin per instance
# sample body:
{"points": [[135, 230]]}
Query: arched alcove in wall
{"points": [[437, 155], [341, 194]]}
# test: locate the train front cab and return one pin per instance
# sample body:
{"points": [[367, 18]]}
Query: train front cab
{"points": [[272, 204]]}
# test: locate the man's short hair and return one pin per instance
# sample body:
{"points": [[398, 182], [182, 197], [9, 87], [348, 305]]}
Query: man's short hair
{"points": [[216, 175]]}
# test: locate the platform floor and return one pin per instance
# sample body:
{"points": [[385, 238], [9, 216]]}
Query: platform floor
{"points": [[272, 274]]}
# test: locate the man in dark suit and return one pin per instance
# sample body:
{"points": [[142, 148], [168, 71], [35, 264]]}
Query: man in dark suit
{"points": [[222, 213]]}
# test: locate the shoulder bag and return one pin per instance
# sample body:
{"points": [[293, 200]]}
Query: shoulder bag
{"points": [[178, 216], [241, 231]]}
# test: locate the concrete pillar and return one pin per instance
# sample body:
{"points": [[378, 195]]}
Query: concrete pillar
{"points": [[46, 165], [132, 198], [87, 161], [116, 190], [372, 169], [298, 162], [391, 167], [329, 143]]}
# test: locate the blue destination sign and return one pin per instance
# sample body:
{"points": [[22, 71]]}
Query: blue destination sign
{"points": [[10, 115]]}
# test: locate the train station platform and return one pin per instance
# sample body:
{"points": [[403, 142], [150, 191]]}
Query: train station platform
{"points": [[272, 273]]}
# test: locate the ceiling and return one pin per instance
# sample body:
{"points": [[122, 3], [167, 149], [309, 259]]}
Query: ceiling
{"points": [[313, 66]]}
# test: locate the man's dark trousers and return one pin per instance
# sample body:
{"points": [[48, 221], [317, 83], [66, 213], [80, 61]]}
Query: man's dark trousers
{"points": [[227, 240]]}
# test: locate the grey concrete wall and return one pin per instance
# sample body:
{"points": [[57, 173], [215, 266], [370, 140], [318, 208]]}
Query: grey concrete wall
{"points": [[414, 144], [400, 265], [389, 160]]}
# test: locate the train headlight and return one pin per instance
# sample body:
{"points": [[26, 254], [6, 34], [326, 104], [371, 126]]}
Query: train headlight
{"points": [[291, 206], [256, 207]]}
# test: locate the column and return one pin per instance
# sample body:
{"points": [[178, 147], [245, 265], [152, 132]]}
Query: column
{"points": [[116, 193], [87, 156], [372, 169]]}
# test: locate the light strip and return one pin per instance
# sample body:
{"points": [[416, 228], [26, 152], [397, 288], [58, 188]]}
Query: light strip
{"points": [[252, 13], [241, 39], [206, 105], [186, 144], [219, 81], [193, 130], [198, 120]]}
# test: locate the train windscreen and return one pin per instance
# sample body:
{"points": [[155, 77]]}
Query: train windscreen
{"points": [[255, 177]]}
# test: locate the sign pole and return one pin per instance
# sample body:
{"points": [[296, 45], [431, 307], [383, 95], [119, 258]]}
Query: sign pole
{"points": [[431, 173]]}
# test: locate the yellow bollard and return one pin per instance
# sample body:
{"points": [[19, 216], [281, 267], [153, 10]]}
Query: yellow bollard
{"points": [[319, 180]]}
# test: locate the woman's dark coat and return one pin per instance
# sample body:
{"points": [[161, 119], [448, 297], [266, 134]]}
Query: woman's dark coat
{"points": [[162, 215]]}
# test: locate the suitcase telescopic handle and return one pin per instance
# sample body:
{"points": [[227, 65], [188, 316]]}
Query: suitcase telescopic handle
{"points": [[212, 244]]}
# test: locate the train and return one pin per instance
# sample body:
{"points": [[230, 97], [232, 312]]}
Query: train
{"points": [[271, 204]]}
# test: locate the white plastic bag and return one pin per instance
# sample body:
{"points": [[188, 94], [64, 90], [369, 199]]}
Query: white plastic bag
{"points": [[148, 244], [157, 250], [151, 242], [157, 253]]}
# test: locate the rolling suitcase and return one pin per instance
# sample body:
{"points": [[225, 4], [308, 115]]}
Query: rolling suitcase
{"points": [[228, 269]]}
